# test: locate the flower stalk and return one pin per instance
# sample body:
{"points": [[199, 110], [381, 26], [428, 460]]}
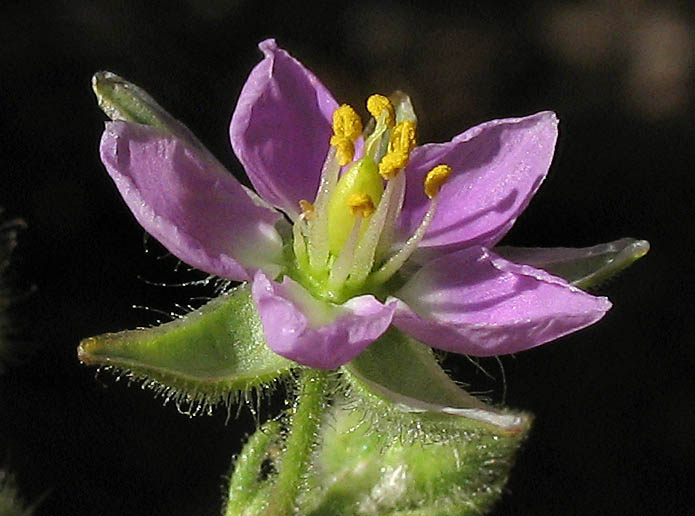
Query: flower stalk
{"points": [[305, 423]]}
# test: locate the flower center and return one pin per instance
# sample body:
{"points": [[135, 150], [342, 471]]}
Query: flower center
{"points": [[343, 240]]}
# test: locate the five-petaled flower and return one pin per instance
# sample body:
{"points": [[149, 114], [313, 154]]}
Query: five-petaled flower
{"points": [[355, 229]]}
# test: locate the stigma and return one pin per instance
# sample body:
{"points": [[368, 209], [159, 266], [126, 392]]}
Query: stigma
{"points": [[343, 240]]}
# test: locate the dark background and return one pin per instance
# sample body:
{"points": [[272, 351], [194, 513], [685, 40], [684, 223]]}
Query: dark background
{"points": [[613, 404]]}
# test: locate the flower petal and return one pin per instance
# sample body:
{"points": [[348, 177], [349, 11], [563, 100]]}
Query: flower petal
{"points": [[498, 166], [477, 303], [313, 332], [281, 128], [184, 198]]}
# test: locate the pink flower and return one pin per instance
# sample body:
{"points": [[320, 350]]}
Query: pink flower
{"points": [[409, 247]]}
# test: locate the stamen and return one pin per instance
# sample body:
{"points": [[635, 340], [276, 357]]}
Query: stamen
{"points": [[345, 149], [403, 137], [381, 108], [361, 204], [391, 164], [433, 183], [375, 141], [364, 254], [318, 228], [298, 242], [401, 144], [378, 104], [307, 209], [435, 179], [395, 206], [347, 127]]}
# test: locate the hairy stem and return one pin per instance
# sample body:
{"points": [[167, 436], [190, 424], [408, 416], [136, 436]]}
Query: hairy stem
{"points": [[305, 422], [244, 484]]}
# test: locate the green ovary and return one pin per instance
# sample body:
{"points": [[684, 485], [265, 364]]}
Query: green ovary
{"points": [[362, 177]]}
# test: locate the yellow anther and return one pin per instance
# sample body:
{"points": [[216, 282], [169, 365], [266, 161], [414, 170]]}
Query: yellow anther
{"points": [[347, 123], [403, 137], [392, 163], [307, 209], [345, 149], [347, 127], [377, 104], [435, 179], [361, 204], [400, 146]]}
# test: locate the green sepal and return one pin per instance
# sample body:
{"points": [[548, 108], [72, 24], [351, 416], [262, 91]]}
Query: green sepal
{"points": [[205, 357], [586, 267], [401, 371]]}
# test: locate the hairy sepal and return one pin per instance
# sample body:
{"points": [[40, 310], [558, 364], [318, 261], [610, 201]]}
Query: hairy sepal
{"points": [[213, 354], [402, 372], [586, 267]]}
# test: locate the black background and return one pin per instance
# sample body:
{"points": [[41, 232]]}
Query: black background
{"points": [[613, 404]]}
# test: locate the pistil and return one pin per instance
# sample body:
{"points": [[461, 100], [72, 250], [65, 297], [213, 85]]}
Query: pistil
{"points": [[347, 127], [362, 207]]}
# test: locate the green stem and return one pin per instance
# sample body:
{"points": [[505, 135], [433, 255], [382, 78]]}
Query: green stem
{"points": [[295, 461], [244, 484]]}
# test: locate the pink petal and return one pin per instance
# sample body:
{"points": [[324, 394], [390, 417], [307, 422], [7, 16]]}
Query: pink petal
{"points": [[281, 128], [477, 303], [313, 332], [184, 198], [497, 166]]}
